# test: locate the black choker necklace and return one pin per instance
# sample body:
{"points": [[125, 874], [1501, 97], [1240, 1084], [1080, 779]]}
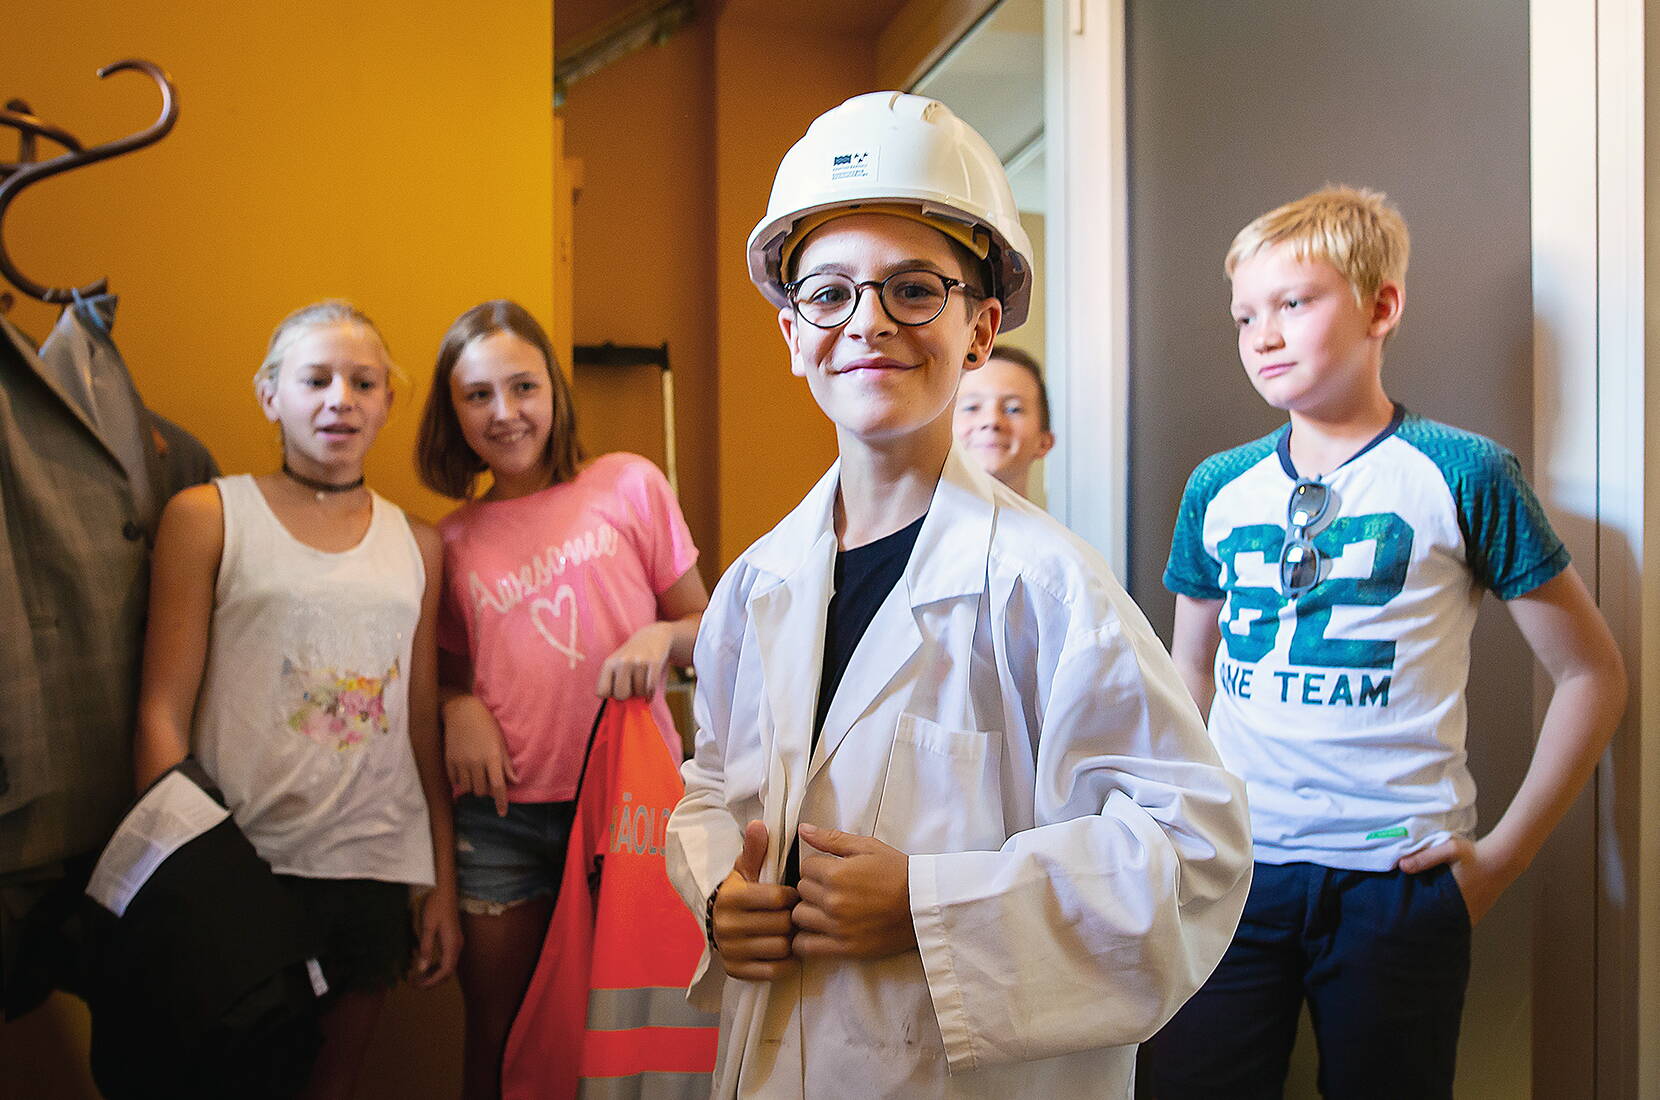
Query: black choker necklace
{"points": [[321, 488]]}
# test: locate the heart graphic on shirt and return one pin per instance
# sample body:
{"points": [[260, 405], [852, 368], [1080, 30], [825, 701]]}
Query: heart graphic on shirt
{"points": [[565, 595]]}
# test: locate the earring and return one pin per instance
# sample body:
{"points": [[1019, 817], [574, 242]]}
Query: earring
{"points": [[973, 357]]}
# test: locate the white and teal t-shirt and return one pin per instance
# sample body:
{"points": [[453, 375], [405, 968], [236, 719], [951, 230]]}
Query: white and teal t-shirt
{"points": [[1343, 708]]}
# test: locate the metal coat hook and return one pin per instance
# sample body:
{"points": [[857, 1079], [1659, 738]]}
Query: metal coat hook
{"points": [[18, 115], [27, 175]]}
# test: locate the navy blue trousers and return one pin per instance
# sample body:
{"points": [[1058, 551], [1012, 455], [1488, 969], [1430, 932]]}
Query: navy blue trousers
{"points": [[1382, 959]]}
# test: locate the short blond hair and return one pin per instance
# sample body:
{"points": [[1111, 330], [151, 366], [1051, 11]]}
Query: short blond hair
{"points": [[1355, 229], [330, 311]]}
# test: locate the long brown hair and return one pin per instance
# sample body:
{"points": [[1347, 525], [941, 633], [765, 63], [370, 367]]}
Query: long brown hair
{"points": [[445, 462]]}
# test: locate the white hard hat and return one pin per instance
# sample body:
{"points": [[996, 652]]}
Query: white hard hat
{"points": [[893, 148]]}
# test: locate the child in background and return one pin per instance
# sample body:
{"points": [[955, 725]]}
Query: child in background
{"points": [[290, 646], [1002, 417], [1341, 561], [565, 582]]}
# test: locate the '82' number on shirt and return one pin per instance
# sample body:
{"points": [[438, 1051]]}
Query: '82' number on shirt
{"points": [[1254, 610]]}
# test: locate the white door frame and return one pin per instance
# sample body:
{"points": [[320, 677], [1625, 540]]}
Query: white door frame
{"points": [[1087, 271], [1591, 240]]}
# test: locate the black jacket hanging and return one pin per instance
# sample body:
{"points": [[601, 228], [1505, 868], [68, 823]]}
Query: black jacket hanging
{"points": [[202, 987]]}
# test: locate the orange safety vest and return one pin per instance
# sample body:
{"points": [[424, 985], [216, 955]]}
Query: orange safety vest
{"points": [[606, 1009]]}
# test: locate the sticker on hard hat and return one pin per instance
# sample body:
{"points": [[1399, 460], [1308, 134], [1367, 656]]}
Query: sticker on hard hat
{"points": [[859, 164]]}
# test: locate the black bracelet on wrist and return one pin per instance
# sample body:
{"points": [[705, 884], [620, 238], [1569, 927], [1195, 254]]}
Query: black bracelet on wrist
{"points": [[709, 916]]}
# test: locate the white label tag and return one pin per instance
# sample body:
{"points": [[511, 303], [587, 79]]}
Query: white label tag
{"points": [[854, 164], [319, 984], [171, 814]]}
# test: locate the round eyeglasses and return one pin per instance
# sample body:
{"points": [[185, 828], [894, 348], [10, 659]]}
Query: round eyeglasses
{"points": [[909, 298], [1299, 557]]}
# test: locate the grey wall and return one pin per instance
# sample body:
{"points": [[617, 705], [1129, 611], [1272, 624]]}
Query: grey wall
{"points": [[1238, 105]]}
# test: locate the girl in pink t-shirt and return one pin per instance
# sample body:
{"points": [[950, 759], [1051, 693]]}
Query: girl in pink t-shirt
{"points": [[565, 582]]}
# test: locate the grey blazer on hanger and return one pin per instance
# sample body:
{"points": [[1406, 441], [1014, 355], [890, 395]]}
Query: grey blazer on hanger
{"points": [[80, 496]]}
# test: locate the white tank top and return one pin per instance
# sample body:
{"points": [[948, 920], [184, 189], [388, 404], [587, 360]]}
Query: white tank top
{"points": [[303, 719]]}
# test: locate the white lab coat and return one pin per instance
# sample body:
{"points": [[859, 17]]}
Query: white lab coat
{"points": [[1079, 858]]}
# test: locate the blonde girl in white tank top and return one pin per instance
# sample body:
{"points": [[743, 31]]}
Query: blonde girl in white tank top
{"points": [[291, 647]]}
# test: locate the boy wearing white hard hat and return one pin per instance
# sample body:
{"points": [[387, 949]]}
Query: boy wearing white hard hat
{"points": [[953, 823]]}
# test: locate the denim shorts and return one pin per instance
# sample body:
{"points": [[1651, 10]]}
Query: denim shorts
{"points": [[504, 861]]}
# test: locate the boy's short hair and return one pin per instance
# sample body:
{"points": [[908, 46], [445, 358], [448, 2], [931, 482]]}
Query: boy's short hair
{"points": [[1355, 229], [1022, 358], [977, 273]]}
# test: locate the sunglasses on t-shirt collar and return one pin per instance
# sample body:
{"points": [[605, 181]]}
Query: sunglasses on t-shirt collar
{"points": [[1300, 559], [1311, 499]]}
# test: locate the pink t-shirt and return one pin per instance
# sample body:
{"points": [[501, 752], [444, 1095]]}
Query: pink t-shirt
{"points": [[540, 590]]}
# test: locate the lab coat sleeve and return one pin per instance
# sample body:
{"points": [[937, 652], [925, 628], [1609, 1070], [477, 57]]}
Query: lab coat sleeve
{"points": [[1092, 927], [704, 839]]}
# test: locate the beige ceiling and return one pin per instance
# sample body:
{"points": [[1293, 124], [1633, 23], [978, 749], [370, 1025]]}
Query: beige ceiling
{"points": [[839, 17], [993, 78], [575, 18]]}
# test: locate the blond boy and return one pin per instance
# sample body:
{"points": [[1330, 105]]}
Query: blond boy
{"points": [[1338, 564]]}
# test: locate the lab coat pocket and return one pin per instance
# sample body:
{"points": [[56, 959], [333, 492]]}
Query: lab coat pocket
{"points": [[941, 790]]}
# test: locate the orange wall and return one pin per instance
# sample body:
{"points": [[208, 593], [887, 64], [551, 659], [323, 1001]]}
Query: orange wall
{"points": [[397, 153], [774, 442], [644, 248], [678, 146]]}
